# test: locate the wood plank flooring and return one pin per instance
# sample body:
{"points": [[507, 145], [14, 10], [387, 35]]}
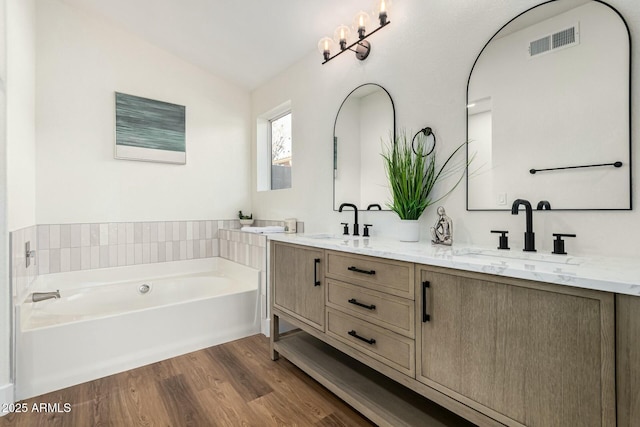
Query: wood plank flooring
{"points": [[233, 384]]}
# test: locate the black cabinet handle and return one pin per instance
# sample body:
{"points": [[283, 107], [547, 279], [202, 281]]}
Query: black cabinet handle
{"points": [[425, 316], [353, 333], [368, 307], [316, 282], [358, 270]]}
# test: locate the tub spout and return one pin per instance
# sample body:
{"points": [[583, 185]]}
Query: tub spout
{"points": [[41, 296]]}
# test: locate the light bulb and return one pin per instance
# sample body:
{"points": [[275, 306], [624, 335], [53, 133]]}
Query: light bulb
{"points": [[341, 36], [324, 46], [360, 23], [381, 9]]}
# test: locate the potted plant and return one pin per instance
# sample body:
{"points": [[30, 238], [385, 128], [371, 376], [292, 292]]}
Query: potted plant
{"points": [[245, 219], [412, 175]]}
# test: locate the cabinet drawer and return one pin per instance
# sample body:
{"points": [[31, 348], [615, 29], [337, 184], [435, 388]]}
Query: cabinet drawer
{"points": [[393, 277], [388, 311], [383, 345]]}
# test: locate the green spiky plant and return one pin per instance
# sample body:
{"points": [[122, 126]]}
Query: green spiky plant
{"points": [[413, 175]]}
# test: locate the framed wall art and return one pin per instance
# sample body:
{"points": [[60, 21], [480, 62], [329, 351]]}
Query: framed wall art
{"points": [[149, 130]]}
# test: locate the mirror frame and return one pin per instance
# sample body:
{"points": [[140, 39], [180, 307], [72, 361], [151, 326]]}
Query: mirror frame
{"points": [[629, 120], [335, 122]]}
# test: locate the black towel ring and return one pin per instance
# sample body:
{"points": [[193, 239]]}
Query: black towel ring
{"points": [[426, 131]]}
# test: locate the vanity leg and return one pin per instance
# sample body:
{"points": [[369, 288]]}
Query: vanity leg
{"points": [[275, 335]]}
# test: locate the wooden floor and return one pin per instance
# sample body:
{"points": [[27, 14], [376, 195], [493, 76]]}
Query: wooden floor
{"points": [[233, 384]]}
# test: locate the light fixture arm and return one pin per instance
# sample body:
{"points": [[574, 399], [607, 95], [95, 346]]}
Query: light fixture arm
{"points": [[363, 47]]}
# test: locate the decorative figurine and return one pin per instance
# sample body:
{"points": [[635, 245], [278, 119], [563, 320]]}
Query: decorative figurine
{"points": [[442, 231]]}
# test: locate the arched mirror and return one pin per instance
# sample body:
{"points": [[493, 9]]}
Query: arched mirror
{"points": [[365, 119], [548, 110]]}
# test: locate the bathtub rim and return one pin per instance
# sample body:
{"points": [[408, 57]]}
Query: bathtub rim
{"points": [[155, 271], [221, 268]]}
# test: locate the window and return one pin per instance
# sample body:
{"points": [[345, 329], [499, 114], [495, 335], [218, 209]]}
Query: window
{"points": [[280, 142]]}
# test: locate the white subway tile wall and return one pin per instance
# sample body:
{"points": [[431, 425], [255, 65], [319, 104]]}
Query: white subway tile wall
{"points": [[72, 247], [244, 248]]}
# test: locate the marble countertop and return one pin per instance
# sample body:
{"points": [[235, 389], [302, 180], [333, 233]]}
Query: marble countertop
{"points": [[619, 275]]}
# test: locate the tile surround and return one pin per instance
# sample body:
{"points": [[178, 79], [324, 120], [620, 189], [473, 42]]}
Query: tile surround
{"points": [[73, 247]]}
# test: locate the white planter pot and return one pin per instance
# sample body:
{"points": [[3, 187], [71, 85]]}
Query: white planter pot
{"points": [[408, 230], [246, 221]]}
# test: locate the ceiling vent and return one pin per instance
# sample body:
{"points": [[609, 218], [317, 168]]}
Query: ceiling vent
{"points": [[561, 39]]}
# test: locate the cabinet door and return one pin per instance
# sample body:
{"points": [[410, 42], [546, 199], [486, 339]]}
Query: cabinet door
{"points": [[298, 282], [523, 352], [628, 359]]}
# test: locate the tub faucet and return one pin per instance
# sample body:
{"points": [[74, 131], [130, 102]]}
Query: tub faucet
{"points": [[529, 235], [41, 296], [355, 210]]}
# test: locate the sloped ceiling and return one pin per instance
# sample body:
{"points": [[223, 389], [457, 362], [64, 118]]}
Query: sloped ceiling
{"points": [[244, 41]]}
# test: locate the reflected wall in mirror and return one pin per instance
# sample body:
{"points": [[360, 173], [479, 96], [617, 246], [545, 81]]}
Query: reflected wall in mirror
{"points": [[551, 89], [365, 119]]}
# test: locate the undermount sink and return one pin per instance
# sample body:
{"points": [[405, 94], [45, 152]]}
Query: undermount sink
{"points": [[329, 236], [516, 255]]}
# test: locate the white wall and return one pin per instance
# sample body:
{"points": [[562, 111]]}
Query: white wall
{"points": [[81, 61], [423, 59], [17, 112], [21, 56], [6, 390]]}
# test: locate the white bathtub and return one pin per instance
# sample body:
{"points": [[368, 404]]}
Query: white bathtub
{"points": [[102, 324]]}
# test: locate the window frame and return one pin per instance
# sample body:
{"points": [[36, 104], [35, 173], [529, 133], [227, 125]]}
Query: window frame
{"points": [[273, 118]]}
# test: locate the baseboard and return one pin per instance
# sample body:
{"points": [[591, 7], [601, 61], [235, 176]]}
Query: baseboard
{"points": [[6, 398], [265, 327]]}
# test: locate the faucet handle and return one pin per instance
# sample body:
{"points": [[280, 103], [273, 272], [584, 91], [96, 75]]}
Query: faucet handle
{"points": [[558, 244], [365, 233], [345, 231], [503, 239]]}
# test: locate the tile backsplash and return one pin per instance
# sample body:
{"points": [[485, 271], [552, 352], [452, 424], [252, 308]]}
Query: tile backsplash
{"points": [[72, 247]]}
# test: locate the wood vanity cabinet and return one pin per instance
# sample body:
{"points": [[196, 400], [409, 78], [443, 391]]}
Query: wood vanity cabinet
{"points": [[393, 337], [298, 282], [523, 352]]}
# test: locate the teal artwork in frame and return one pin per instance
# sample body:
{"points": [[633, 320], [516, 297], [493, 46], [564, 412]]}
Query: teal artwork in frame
{"points": [[150, 130]]}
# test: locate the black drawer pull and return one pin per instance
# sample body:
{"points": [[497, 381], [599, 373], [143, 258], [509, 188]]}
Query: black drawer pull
{"points": [[368, 341], [316, 282], [358, 270], [368, 307], [425, 315]]}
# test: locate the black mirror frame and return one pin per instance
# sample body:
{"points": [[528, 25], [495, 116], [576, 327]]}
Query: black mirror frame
{"points": [[335, 122], [630, 117]]}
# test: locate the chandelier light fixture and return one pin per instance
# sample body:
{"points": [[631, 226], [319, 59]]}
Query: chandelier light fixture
{"points": [[341, 40]]}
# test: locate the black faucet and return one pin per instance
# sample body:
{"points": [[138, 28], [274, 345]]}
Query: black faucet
{"points": [[374, 205], [543, 204], [355, 210], [529, 235]]}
